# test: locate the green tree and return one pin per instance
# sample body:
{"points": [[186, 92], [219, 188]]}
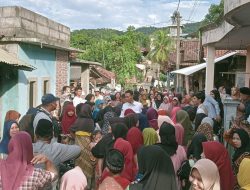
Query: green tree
{"points": [[162, 45], [215, 14], [118, 53]]}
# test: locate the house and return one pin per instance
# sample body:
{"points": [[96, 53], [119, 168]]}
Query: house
{"points": [[231, 34], [41, 47], [90, 74]]}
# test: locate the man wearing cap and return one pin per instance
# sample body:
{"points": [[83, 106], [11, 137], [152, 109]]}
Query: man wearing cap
{"points": [[245, 99], [49, 104]]}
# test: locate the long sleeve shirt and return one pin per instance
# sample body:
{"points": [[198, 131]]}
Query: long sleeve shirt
{"points": [[212, 107]]}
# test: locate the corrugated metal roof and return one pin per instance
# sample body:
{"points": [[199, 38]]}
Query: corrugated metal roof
{"points": [[10, 59], [190, 70]]}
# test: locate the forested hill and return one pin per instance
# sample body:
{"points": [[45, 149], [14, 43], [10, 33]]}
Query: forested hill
{"points": [[107, 33]]}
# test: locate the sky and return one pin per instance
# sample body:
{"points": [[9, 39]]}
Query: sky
{"points": [[115, 14]]}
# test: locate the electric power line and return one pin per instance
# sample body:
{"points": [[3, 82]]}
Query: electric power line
{"points": [[193, 8]]}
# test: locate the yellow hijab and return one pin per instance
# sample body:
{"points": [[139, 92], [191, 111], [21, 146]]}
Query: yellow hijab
{"points": [[243, 176]]}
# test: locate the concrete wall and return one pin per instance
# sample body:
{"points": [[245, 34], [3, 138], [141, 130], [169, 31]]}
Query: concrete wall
{"points": [[229, 5], [45, 61], [18, 22]]}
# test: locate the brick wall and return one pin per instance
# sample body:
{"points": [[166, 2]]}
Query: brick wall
{"points": [[62, 60]]}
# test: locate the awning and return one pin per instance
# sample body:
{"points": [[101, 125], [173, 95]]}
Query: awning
{"points": [[190, 70], [10, 59]]}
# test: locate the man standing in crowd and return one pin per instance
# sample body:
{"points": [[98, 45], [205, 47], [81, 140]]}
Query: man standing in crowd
{"points": [[49, 104], [66, 95], [245, 99], [78, 98], [198, 100], [131, 103]]}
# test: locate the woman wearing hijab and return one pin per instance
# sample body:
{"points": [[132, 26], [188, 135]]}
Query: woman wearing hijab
{"points": [[206, 129], [205, 176], [107, 116], [18, 172], [179, 130], [12, 115], [131, 120], [73, 179], [193, 155], [239, 139], [115, 164], [165, 105], [156, 169], [216, 152], [158, 100], [134, 136], [68, 118], [182, 118], [195, 148], [173, 113], [10, 129], [150, 136], [82, 129], [152, 117], [243, 176], [171, 147], [98, 106], [240, 142], [129, 170], [143, 122], [198, 118]]}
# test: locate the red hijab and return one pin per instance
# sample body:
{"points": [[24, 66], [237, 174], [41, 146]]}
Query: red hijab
{"points": [[216, 152], [134, 136], [125, 148], [67, 120], [152, 116], [17, 167], [173, 113]]}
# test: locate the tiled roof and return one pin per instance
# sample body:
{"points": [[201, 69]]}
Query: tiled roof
{"points": [[189, 51]]}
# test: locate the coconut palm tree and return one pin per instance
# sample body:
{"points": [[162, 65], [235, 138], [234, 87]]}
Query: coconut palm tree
{"points": [[161, 46]]}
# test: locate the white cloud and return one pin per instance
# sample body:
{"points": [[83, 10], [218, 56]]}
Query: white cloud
{"points": [[117, 14]]}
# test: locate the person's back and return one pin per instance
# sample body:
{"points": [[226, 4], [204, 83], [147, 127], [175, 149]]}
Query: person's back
{"points": [[56, 152], [18, 172]]}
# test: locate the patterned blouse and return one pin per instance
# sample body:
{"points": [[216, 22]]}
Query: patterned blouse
{"points": [[38, 180]]}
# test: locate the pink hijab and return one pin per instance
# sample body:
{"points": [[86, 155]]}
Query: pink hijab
{"points": [[17, 167], [179, 130], [173, 113], [74, 179]]}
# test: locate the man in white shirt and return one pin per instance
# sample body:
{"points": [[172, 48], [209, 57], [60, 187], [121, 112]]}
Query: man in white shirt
{"points": [[78, 98], [131, 103], [198, 100]]}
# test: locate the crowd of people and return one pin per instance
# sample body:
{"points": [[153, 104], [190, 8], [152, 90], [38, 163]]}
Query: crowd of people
{"points": [[132, 140]]}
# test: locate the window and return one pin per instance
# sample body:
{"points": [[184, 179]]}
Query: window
{"points": [[45, 85], [32, 93]]}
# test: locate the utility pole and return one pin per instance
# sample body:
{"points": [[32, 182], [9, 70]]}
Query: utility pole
{"points": [[178, 56]]}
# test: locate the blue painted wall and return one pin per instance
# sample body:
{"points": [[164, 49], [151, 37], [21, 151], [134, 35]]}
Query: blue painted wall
{"points": [[44, 59], [8, 91]]}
